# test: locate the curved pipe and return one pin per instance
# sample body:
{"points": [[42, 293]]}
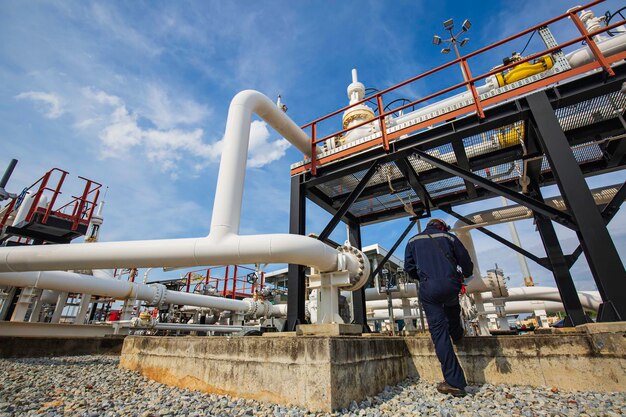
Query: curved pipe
{"points": [[223, 245]]}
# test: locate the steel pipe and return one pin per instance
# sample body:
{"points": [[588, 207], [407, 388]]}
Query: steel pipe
{"points": [[223, 245]]}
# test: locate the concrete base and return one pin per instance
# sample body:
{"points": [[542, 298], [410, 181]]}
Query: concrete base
{"points": [[329, 329], [317, 373], [327, 373]]}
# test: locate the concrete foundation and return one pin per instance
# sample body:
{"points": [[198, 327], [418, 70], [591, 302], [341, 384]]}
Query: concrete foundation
{"points": [[327, 373]]}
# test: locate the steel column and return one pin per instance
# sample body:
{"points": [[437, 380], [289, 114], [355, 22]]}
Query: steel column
{"points": [[604, 261], [358, 296], [560, 267], [295, 275]]}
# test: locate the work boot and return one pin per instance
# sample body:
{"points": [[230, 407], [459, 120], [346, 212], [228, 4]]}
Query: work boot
{"points": [[445, 388]]}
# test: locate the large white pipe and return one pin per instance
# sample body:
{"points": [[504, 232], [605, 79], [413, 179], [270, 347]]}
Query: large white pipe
{"points": [[590, 300], [409, 291], [513, 307], [223, 245], [70, 281]]}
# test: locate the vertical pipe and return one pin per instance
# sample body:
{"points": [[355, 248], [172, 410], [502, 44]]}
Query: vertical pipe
{"points": [[7, 173], [521, 258]]}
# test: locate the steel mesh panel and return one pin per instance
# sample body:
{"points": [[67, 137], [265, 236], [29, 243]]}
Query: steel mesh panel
{"points": [[591, 111], [381, 203], [502, 172], [494, 139], [445, 186]]}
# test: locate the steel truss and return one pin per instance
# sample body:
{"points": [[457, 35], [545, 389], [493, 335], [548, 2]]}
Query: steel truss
{"points": [[543, 137]]}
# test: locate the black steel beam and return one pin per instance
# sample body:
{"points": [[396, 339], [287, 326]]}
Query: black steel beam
{"points": [[498, 238], [602, 256], [345, 206], [295, 273], [608, 212], [463, 162], [500, 190], [409, 173], [381, 265], [358, 297]]}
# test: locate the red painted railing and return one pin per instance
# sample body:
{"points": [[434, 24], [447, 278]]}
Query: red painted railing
{"points": [[230, 281], [50, 185], [469, 83]]}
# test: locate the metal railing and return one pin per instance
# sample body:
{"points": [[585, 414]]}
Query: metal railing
{"points": [[82, 206], [469, 83]]}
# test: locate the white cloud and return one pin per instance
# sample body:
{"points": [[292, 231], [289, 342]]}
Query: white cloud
{"points": [[51, 102], [166, 113], [121, 134], [261, 151]]}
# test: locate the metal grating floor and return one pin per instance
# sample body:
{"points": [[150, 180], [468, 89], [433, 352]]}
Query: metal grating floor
{"points": [[571, 117]]}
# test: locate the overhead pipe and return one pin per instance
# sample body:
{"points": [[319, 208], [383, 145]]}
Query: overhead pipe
{"points": [[223, 245]]}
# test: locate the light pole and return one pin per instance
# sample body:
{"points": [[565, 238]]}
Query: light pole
{"points": [[454, 40]]}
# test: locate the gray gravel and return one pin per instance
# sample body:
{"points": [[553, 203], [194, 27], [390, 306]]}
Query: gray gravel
{"points": [[94, 386]]}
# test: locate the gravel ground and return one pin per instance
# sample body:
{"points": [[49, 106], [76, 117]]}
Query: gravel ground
{"points": [[94, 386]]}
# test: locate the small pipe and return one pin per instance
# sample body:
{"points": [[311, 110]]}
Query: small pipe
{"points": [[8, 173]]}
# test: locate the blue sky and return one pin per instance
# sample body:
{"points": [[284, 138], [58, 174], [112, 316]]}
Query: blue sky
{"points": [[135, 96]]}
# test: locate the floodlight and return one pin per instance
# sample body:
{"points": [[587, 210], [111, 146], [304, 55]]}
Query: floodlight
{"points": [[445, 51], [448, 24], [436, 40], [466, 25], [464, 42]]}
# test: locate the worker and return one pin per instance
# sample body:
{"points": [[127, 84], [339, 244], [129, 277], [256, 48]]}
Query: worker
{"points": [[433, 257]]}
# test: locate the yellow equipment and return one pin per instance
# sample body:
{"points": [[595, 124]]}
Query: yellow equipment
{"points": [[526, 69]]}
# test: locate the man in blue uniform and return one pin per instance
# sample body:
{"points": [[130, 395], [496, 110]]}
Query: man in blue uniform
{"points": [[434, 257]]}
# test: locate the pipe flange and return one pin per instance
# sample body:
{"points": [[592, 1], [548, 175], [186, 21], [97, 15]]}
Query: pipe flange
{"points": [[252, 307], [160, 294], [359, 278]]}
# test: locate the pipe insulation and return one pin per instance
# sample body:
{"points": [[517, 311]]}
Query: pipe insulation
{"points": [[223, 245], [153, 294]]}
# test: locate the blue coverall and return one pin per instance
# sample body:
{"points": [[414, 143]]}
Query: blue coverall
{"points": [[430, 259]]}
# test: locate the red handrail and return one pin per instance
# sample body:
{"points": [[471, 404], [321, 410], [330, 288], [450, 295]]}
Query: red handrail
{"points": [[469, 80]]}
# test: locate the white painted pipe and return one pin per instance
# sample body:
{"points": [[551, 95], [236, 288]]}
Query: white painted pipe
{"points": [[223, 245], [410, 291], [70, 281], [397, 303], [513, 307], [590, 300]]}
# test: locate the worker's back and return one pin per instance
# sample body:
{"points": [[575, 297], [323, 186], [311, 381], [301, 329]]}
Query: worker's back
{"points": [[434, 255]]}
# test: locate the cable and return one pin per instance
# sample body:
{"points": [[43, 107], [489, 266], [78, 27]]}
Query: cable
{"points": [[528, 42]]}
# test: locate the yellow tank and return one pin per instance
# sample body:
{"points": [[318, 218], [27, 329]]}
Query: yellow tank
{"points": [[524, 70]]}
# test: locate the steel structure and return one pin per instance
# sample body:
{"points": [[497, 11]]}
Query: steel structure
{"points": [[567, 125]]}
